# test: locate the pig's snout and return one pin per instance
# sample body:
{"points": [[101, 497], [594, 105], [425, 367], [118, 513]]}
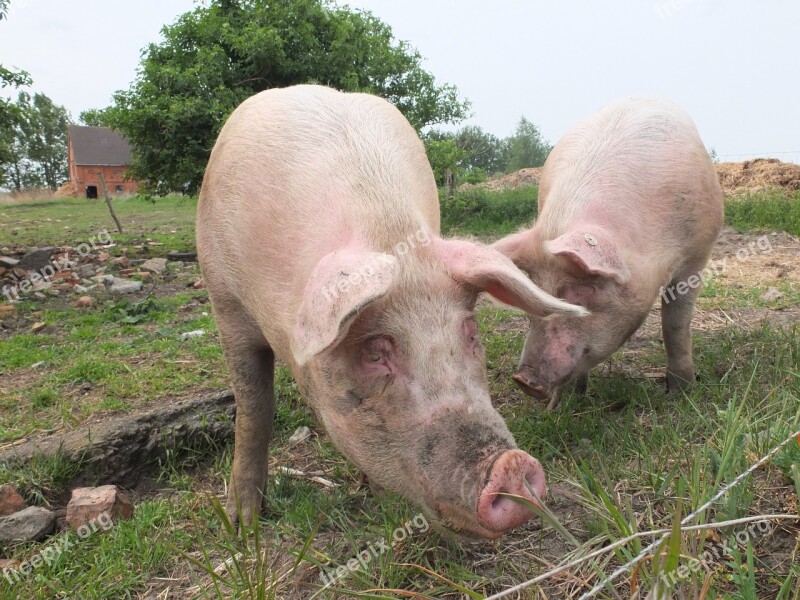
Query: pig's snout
{"points": [[527, 382], [499, 513]]}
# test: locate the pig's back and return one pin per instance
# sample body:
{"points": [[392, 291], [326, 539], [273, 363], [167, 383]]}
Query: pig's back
{"points": [[297, 173], [639, 168]]}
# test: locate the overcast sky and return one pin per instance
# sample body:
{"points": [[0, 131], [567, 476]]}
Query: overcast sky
{"points": [[733, 64]]}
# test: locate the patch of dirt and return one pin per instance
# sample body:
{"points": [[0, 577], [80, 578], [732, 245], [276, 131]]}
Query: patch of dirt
{"points": [[735, 178]]}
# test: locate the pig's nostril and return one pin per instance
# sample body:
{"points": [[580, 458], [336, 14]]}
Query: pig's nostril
{"points": [[530, 388], [496, 510]]}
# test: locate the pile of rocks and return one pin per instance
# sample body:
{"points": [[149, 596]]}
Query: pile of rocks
{"points": [[53, 271], [88, 507]]}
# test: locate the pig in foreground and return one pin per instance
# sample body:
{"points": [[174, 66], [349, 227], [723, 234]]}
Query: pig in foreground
{"points": [[318, 236], [629, 209]]}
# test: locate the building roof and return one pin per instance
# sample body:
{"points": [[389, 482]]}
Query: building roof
{"points": [[98, 146]]}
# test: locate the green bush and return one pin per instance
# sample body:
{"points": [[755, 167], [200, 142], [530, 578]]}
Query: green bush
{"points": [[775, 209], [479, 211]]}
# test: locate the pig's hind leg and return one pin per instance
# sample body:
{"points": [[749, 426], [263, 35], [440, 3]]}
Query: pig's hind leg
{"points": [[676, 317], [251, 364]]}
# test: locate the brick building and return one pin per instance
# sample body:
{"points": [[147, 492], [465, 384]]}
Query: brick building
{"points": [[95, 150]]}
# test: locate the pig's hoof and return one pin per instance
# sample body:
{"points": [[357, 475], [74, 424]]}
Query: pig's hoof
{"points": [[242, 513], [679, 383]]}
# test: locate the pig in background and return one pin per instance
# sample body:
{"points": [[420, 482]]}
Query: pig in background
{"points": [[629, 202], [318, 236]]}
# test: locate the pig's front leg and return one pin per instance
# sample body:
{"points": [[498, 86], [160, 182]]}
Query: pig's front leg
{"points": [[252, 368], [676, 318]]}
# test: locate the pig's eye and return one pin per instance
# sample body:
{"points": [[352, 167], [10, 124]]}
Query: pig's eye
{"points": [[377, 356]]}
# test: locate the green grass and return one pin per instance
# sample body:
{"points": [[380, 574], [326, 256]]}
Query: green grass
{"points": [[773, 210], [630, 457], [480, 212], [476, 211], [168, 221]]}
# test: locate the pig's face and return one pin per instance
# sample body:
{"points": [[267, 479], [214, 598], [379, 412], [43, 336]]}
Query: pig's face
{"points": [[559, 350], [403, 394], [584, 269]]}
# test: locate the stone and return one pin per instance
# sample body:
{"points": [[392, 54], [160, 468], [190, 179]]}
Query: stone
{"points": [[35, 260], [7, 310], [300, 434], [64, 275], [193, 334], [27, 525], [10, 500], [98, 505], [155, 265], [188, 256], [199, 284], [8, 262], [38, 326], [86, 271], [771, 294], [123, 286], [39, 296], [103, 257], [122, 261], [84, 302]]}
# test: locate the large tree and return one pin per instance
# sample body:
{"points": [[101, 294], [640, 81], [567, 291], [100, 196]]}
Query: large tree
{"points": [[214, 57], [482, 150], [9, 115], [36, 149], [526, 147]]}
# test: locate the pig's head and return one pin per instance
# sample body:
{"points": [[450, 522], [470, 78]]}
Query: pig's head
{"points": [[582, 266], [389, 354]]}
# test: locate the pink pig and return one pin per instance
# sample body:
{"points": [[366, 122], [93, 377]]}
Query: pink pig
{"points": [[318, 236], [629, 209]]}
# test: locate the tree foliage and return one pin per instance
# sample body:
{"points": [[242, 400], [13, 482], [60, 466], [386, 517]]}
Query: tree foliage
{"points": [[35, 145], [526, 147], [214, 57], [8, 112], [444, 155]]}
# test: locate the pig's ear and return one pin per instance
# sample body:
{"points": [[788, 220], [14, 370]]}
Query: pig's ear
{"points": [[514, 246], [342, 284], [489, 271], [592, 252]]}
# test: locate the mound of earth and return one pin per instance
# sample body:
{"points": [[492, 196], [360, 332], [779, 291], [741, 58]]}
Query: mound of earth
{"points": [[753, 175], [735, 178], [510, 181]]}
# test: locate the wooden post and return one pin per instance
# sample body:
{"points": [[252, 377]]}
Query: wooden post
{"points": [[108, 202]]}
